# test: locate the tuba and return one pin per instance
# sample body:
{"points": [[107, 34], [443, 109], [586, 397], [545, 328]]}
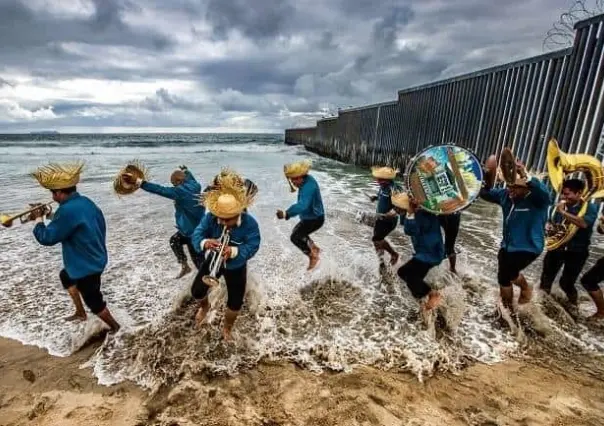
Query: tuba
{"points": [[7, 220], [444, 179], [211, 280], [560, 164]]}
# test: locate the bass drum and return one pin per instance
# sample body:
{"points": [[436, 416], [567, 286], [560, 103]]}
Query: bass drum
{"points": [[444, 179]]}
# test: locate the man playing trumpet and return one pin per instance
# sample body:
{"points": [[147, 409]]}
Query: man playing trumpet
{"points": [[309, 207], [226, 207], [387, 217], [79, 225], [185, 192]]}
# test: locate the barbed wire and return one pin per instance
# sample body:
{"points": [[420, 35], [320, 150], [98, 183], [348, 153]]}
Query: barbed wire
{"points": [[562, 34]]}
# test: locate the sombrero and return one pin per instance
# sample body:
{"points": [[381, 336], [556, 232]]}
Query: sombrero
{"points": [[134, 168], [227, 201], [294, 170], [400, 200], [387, 173], [58, 176]]}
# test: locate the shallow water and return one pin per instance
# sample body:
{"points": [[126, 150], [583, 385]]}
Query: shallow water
{"points": [[343, 314]]}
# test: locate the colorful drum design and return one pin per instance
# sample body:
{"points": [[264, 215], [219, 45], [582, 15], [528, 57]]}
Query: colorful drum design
{"points": [[444, 179]]}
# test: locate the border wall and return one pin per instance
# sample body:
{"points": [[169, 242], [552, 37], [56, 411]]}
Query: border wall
{"points": [[520, 105]]}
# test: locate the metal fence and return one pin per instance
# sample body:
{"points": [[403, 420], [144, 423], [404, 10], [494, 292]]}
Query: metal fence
{"points": [[520, 105]]}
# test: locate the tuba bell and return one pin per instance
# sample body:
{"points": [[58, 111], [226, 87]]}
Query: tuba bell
{"points": [[560, 164]]}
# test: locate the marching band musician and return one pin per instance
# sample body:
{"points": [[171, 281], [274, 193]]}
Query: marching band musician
{"points": [[387, 217], [309, 207], [573, 254], [226, 207], [79, 225], [524, 205], [185, 192], [593, 277], [424, 229]]}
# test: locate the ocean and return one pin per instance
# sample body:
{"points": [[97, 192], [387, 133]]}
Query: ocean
{"points": [[343, 314]]}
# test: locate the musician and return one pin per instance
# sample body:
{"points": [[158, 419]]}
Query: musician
{"points": [[185, 192], [593, 277], [309, 207], [79, 225], [524, 205], [424, 229], [387, 218], [226, 207], [573, 255], [450, 225]]}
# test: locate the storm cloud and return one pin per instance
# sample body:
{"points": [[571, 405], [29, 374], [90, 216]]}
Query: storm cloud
{"points": [[243, 65]]}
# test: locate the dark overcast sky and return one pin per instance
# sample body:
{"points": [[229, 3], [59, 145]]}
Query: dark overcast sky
{"points": [[256, 65]]}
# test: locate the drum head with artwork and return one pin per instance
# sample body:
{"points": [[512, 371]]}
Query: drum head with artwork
{"points": [[445, 179]]}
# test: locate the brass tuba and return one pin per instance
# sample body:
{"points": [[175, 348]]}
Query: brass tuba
{"points": [[560, 164]]}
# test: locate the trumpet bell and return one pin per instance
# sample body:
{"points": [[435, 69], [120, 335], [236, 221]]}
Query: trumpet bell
{"points": [[6, 220], [210, 281]]}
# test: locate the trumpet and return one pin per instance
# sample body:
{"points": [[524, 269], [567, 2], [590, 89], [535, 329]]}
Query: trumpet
{"points": [[24, 217], [211, 280]]}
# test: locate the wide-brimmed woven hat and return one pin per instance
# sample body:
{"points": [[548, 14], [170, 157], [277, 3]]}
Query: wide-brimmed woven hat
{"points": [[134, 168], [400, 200], [58, 176], [294, 170], [227, 201], [387, 173]]}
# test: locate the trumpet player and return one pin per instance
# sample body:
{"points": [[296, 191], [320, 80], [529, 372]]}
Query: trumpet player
{"points": [[524, 205], [593, 277], [185, 192], [387, 217], [226, 215], [424, 229], [79, 225], [572, 256], [309, 207]]}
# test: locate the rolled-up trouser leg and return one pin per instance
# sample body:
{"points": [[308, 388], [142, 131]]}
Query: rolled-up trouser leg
{"points": [[177, 241], [300, 235]]}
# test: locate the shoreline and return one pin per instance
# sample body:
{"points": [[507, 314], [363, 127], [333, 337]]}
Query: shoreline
{"points": [[40, 389]]}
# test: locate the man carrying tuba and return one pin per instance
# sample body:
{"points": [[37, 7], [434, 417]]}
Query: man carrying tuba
{"points": [[572, 255], [593, 278], [225, 215], [79, 225]]}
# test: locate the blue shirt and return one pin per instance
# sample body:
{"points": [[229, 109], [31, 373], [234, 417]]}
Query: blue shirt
{"points": [[79, 225], [582, 238], [310, 203], [384, 202], [245, 236], [524, 219], [187, 209], [424, 230]]}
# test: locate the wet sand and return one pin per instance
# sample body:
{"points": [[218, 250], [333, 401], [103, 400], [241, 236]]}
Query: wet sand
{"points": [[38, 389]]}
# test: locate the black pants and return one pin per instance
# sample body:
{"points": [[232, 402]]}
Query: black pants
{"points": [[177, 242], [90, 289], [573, 263], [300, 234], [382, 228], [511, 263], [236, 280], [594, 276], [450, 224], [413, 273]]}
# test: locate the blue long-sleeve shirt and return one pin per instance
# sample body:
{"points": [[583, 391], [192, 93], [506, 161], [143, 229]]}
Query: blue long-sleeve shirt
{"points": [[245, 237], [79, 225], [427, 240], [187, 209], [524, 219], [310, 203], [581, 240], [384, 202]]}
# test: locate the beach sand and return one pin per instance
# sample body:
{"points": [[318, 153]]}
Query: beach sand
{"points": [[38, 389]]}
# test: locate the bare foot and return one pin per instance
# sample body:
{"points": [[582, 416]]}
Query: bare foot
{"points": [[76, 317], [226, 334], [433, 301], [525, 295], [200, 316], [394, 259], [184, 270], [313, 260]]}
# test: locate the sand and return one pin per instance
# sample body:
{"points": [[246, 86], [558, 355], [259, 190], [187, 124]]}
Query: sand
{"points": [[38, 389]]}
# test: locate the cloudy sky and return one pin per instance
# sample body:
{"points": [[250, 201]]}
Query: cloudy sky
{"points": [[241, 65]]}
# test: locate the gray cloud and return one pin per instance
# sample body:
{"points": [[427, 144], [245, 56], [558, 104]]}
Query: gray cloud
{"points": [[276, 63]]}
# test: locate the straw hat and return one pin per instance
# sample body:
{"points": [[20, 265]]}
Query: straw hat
{"points": [[400, 200], [387, 173], [294, 170], [227, 201], [134, 168], [58, 176]]}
